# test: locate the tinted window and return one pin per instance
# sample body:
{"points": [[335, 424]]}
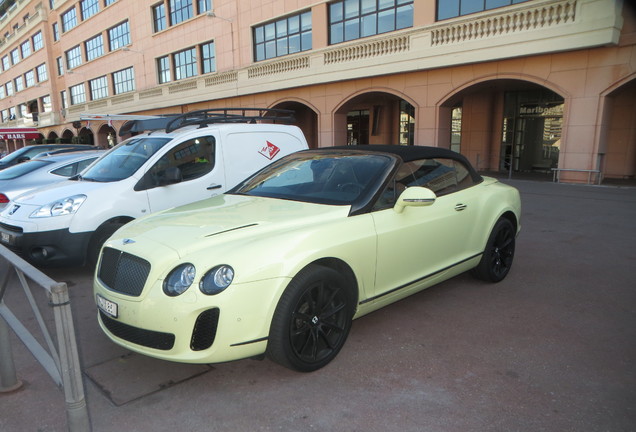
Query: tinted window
{"points": [[21, 169], [72, 168]]}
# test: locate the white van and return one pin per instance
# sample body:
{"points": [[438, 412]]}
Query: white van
{"points": [[192, 157]]}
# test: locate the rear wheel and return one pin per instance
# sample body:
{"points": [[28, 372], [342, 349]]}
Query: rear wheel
{"points": [[312, 320], [500, 250]]}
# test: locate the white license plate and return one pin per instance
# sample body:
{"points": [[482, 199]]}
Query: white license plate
{"points": [[107, 306], [6, 238]]}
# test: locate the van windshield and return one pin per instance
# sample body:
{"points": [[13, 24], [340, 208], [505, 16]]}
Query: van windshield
{"points": [[124, 160]]}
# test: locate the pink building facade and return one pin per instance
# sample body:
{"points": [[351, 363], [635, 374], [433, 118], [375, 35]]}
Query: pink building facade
{"points": [[538, 86]]}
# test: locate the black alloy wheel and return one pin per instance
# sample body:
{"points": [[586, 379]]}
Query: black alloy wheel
{"points": [[499, 253]]}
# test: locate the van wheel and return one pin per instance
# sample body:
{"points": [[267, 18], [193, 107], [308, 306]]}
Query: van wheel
{"points": [[99, 238]]}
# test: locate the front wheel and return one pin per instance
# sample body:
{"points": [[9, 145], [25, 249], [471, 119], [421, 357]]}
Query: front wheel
{"points": [[500, 250], [99, 238], [312, 320]]}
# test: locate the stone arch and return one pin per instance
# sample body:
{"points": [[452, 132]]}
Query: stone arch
{"points": [[307, 118], [106, 136]]}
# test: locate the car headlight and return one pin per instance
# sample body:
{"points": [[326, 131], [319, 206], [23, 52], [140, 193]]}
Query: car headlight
{"points": [[216, 280], [179, 280], [65, 206]]}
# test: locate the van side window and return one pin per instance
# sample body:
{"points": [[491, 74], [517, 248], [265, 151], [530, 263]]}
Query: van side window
{"points": [[194, 158]]}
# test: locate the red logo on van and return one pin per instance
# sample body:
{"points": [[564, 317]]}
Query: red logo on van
{"points": [[269, 150]]}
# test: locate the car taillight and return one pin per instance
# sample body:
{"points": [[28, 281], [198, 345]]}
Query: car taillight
{"points": [[4, 199]]}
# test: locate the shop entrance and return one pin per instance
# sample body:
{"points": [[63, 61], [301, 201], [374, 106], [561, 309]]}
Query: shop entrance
{"points": [[532, 126]]}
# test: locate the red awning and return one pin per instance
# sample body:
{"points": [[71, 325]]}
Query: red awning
{"points": [[19, 133]]}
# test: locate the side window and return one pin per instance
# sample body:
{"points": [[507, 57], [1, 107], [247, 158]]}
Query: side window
{"points": [[66, 170], [194, 158]]}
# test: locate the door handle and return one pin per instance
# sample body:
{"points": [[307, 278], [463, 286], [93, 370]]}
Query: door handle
{"points": [[212, 187], [460, 207]]}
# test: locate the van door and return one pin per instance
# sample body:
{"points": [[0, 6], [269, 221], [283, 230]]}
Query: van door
{"points": [[191, 171]]}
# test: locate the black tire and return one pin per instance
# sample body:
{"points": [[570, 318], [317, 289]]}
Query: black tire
{"points": [[499, 253], [312, 320], [98, 239]]}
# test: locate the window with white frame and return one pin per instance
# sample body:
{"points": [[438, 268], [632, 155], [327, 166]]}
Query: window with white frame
{"points": [[60, 66], [25, 49], [41, 72], [56, 32], [5, 63], [38, 42], [9, 87], [15, 56], [63, 99], [119, 36], [73, 57], [94, 47], [19, 84], [98, 88], [124, 81], [285, 36], [78, 94], [69, 20], [29, 78]]}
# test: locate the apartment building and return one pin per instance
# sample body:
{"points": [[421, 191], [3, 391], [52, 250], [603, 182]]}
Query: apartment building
{"points": [[518, 86]]}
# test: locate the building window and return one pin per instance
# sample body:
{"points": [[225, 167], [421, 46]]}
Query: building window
{"points": [[56, 32], [208, 59], [69, 20], [41, 72], [3, 94], [204, 5], [15, 56], [119, 36], [63, 99], [37, 41], [109, 2], [78, 94], [98, 88], [159, 17], [456, 129], [94, 47], [163, 68], [89, 8], [29, 78], [46, 103], [454, 8], [407, 123], [5, 63], [9, 87], [12, 113], [60, 66], [180, 10], [19, 84], [354, 19], [124, 81], [185, 64], [286, 36], [73, 58], [25, 49]]}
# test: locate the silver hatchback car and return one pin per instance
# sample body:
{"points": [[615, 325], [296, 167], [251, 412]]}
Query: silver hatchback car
{"points": [[42, 171]]}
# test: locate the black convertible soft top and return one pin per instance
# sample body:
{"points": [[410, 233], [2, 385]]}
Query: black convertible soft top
{"points": [[411, 153]]}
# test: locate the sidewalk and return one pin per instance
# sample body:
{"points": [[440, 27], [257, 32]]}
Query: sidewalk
{"points": [[551, 348]]}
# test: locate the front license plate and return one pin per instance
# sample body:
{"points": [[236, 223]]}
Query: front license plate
{"points": [[6, 238], [107, 306]]}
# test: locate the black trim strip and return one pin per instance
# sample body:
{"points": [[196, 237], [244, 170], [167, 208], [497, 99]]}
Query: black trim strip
{"points": [[231, 229], [250, 342], [418, 280]]}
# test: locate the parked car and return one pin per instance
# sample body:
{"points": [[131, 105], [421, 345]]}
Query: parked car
{"points": [[281, 264], [184, 159], [41, 171], [31, 151]]}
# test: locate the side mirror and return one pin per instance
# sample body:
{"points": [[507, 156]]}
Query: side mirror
{"points": [[415, 196], [172, 175]]}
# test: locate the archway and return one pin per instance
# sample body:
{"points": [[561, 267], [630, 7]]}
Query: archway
{"points": [[51, 137], [504, 125], [306, 120], [67, 137], [85, 136], [375, 117], [106, 136]]}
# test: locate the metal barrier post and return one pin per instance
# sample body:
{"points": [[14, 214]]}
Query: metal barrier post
{"points": [[8, 378]]}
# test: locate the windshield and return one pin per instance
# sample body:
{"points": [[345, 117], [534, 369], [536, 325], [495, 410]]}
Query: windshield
{"points": [[124, 160], [21, 169], [320, 177]]}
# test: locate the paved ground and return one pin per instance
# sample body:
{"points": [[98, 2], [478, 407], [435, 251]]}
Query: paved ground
{"points": [[552, 348]]}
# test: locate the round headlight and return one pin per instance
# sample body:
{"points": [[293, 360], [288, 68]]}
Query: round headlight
{"points": [[179, 280], [216, 280]]}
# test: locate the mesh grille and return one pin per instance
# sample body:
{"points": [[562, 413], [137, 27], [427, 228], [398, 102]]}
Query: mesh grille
{"points": [[147, 338], [204, 330], [122, 272]]}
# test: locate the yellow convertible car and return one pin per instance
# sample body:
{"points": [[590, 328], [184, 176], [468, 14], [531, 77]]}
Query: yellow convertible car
{"points": [[281, 264]]}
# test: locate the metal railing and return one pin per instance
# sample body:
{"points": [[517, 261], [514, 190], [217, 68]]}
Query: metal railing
{"points": [[62, 364]]}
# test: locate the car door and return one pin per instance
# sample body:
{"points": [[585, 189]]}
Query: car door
{"points": [[423, 241], [188, 172]]}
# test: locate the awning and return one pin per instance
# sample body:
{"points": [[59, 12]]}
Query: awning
{"points": [[19, 133]]}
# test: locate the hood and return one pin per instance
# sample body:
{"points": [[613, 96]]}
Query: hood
{"points": [[58, 190], [190, 227]]}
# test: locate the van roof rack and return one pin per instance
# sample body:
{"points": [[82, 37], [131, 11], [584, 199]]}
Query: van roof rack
{"points": [[171, 122]]}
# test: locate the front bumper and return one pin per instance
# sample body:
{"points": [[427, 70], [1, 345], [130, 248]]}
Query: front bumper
{"points": [[46, 248]]}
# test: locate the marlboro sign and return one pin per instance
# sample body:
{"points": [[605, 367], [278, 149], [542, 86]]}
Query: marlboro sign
{"points": [[19, 133]]}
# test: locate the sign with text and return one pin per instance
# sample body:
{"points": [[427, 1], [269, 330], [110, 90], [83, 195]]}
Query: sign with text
{"points": [[19, 133]]}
